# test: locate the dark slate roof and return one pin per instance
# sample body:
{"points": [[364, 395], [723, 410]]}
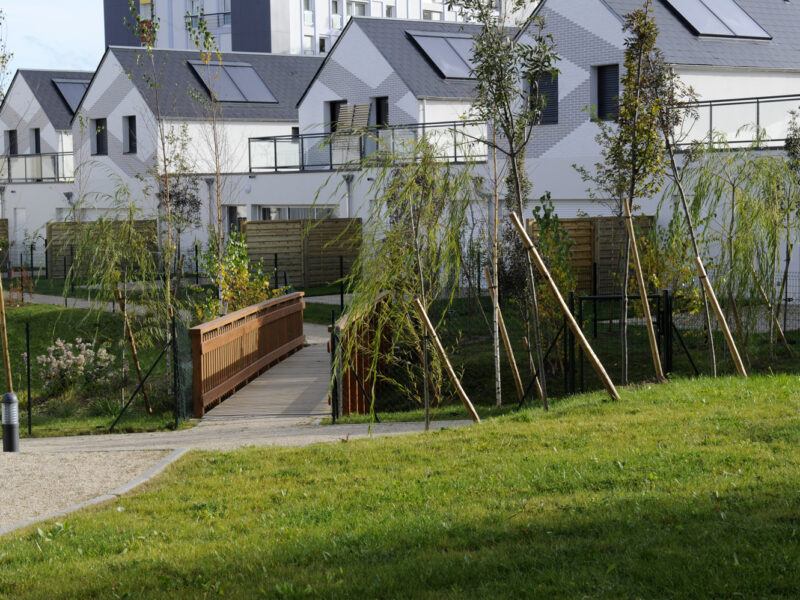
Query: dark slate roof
{"points": [[409, 62], [680, 46], [286, 76], [43, 88]]}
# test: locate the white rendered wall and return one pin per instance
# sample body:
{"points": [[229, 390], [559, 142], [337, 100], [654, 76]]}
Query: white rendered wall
{"points": [[22, 112]]}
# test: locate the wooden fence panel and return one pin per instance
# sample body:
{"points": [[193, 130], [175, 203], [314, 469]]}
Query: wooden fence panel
{"points": [[598, 240], [63, 239], [265, 239], [231, 350], [308, 260], [4, 242], [325, 243]]}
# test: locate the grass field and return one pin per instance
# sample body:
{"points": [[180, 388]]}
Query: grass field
{"points": [[71, 415], [687, 490]]}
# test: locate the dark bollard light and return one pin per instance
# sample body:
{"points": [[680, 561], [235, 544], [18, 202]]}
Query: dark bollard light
{"points": [[10, 423]]}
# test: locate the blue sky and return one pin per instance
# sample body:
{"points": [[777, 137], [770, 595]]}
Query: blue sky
{"points": [[54, 34]]}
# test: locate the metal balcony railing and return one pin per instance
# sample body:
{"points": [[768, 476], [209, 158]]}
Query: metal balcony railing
{"points": [[738, 119], [29, 168], [456, 142], [213, 20]]}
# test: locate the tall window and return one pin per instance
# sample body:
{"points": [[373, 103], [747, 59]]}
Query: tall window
{"points": [[36, 141], [99, 137], [308, 12], [323, 45], [308, 44], [382, 112], [390, 12], [608, 92], [336, 15], [146, 9], [11, 142], [548, 95], [129, 134], [333, 113]]}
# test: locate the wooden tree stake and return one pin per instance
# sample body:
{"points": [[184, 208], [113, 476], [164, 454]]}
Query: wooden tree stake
{"points": [[423, 316], [537, 259], [648, 319], [701, 271], [509, 351], [134, 353], [772, 313]]}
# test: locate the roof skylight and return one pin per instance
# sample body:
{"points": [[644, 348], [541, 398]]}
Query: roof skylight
{"points": [[71, 90], [450, 53], [233, 82], [722, 18]]}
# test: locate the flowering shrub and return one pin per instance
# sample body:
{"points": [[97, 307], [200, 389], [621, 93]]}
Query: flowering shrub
{"points": [[66, 365]]}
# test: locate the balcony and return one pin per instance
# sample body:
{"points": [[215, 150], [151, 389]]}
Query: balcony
{"points": [[738, 118], [213, 20], [455, 142], [30, 168]]}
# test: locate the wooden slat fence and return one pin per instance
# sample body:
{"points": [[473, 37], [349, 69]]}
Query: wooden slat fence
{"points": [[231, 350], [63, 239], [362, 331], [308, 260], [598, 240]]}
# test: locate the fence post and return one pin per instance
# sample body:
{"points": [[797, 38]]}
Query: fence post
{"points": [[594, 293], [28, 366], [334, 389], [567, 366], [46, 261], [580, 350], [668, 324], [571, 339], [33, 245], [196, 266], [175, 372], [341, 283]]}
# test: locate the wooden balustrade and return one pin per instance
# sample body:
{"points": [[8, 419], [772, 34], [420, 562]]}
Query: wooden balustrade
{"points": [[357, 333], [233, 349]]}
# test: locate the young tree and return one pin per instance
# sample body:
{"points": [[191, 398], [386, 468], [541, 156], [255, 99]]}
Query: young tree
{"points": [[678, 109], [211, 57], [632, 166], [411, 248], [508, 70]]}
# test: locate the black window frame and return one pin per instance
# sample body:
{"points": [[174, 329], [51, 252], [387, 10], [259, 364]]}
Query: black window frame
{"points": [[382, 112], [608, 92], [13, 142], [547, 88], [100, 137], [334, 108], [36, 147], [129, 125]]}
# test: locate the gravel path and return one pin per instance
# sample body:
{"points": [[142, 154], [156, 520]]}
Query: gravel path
{"points": [[35, 485]]}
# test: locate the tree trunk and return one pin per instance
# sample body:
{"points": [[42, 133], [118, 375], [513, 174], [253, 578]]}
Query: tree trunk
{"points": [[493, 284], [623, 313]]}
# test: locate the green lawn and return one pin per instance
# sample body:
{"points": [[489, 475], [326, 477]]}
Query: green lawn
{"points": [[73, 414], [687, 490]]}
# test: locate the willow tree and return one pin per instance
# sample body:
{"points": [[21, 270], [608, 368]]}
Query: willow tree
{"points": [[510, 63], [632, 150], [411, 248]]}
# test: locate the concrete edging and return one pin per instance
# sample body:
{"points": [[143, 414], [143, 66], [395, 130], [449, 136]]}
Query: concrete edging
{"points": [[115, 493]]}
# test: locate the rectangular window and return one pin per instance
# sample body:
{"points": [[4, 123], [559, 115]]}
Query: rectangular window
{"points": [[608, 92], [382, 112], [11, 142], [356, 9], [548, 100], [333, 113], [129, 134], [308, 44], [146, 9], [36, 141], [308, 13], [390, 12], [432, 15], [323, 45], [295, 133], [99, 137]]}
